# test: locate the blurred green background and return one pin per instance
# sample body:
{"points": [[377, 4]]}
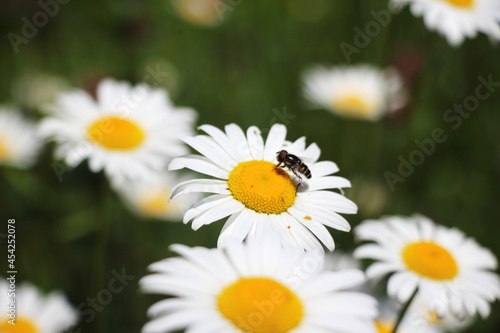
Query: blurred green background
{"points": [[247, 69]]}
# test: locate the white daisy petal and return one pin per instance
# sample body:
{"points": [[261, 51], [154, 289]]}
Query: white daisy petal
{"points": [[204, 205], [199, 164], [216, 213], [19, 141], [323, 183], [222, 139], [200, 185], [274, 141], [255, 142], [206, 146], [238, 142], [324, 168]]}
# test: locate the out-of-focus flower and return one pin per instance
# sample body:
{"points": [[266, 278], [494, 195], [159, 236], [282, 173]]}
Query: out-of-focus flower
{"points": [[130, 132], [370, 195], [257, 195], [150, 198], [362, 91], [437, 260], [458, 19], [257, 286], [419, 319], [19, 144], [202, 12], [37, 90], [35, 313], [339, 260]]}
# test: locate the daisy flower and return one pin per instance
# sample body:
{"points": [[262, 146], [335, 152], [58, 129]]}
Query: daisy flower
{"points": [[420, 319], [35, 312], [255, 287], [458, 19], [451, 271], [129, 132], [34, 90], [258, 196], [19, 144], [362, 92], [202, 12], [150, 198]]}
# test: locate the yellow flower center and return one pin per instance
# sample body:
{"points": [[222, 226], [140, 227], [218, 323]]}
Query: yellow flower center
{"points": [[432, 317], [155, 203], [352, 105], [4, 154], [461, 3], [261, 187], [115, 133], [199, 12], [21, 326], [430, 260], [384, 326], [260, 305]]}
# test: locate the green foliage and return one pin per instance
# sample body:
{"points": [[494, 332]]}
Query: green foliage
{"points": [[73, 233]]}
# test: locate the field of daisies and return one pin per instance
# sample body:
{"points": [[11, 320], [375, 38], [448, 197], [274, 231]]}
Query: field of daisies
{"points": [[213, 166]]}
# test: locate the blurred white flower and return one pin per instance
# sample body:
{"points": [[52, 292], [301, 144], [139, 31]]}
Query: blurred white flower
{"points": [[35, 313], [458, 19], [19, 144], [255, 287], [452, 272], [35, 90], [130, 132], [202, 12], [149, 198], [361, 91]]}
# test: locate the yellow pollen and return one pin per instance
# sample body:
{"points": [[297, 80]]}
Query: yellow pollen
{"points": [[461, 3], [155, 204], [432, 317], [21, 326], [115, 133], [261, 187], [384, 326], [352, 105], [430, 260], [260, 305], [307, 217]]}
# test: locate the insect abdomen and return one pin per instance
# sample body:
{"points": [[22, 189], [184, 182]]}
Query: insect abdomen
{"points": [[303, 169]]}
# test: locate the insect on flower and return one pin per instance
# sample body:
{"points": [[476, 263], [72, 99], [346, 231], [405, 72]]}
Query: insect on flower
{"points": [[295, 164]]}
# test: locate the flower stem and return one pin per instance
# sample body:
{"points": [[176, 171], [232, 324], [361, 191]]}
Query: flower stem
{"points": [[403, 311], [102, 238]]}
